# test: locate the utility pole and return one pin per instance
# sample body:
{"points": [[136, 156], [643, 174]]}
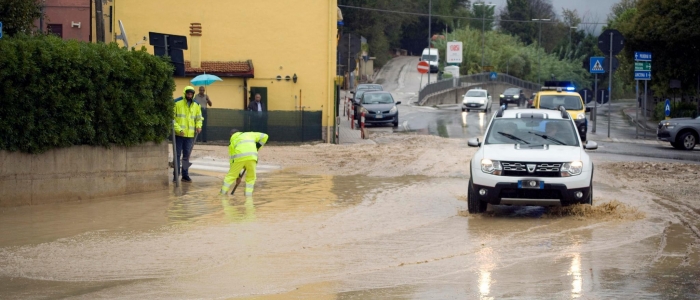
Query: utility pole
{"points": [[430, 30], [99, 22], [539, 44], [483, 28], [570, 45]]}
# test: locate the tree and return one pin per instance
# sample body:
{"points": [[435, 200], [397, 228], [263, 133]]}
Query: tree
{"points": [[516, 20], [18, 16], [483, 16]]}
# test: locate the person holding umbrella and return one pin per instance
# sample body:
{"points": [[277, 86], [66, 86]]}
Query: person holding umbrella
{"points": [[188, 120]]}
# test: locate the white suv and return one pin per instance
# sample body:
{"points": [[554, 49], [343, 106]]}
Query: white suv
{"points": [[530, 157], [476, 99]]}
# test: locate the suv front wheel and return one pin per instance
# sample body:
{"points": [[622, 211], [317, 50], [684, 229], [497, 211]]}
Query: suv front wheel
{"points": [[473, 204]]}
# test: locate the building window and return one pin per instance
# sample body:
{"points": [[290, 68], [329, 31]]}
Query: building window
{"points": [[56, 29]]}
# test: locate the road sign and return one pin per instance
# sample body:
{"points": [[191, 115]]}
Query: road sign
{"points": [[0, 30], [454, 52], [667, 108], [602, 96], [423, 67], [596, 65], [642, 66], [642, 56], [586, 94], [618, 41], [642, 75], [615, 64], [493, 75]]}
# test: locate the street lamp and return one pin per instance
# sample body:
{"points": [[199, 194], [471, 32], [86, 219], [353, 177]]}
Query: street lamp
{"points": [[483, 35], [539, 43]]}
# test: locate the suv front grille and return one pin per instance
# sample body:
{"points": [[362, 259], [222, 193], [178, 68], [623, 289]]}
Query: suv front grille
{"points": [[521, 169]]}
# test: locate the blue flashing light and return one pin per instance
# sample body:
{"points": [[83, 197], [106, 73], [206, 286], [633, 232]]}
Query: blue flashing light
{"points": [[570, 88]]}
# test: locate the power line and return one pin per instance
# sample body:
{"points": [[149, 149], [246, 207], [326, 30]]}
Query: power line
{"points": [[453, 17]]}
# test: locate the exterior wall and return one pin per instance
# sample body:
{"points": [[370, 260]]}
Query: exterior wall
{"points": [[81, 173], [280, 37], [65, 12], [223, 94]]}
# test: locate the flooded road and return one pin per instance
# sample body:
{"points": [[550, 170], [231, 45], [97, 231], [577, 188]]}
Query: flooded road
{"points": [[304, 236]]}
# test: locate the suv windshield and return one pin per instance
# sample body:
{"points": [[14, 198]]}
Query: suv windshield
{"points": [[512, 91], [429, 57], [531, 131], [554, 101], [474, 93], [377, 98], [359, 93]]}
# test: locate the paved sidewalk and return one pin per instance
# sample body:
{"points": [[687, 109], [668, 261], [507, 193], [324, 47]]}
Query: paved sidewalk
{"points": [[346, 135]]}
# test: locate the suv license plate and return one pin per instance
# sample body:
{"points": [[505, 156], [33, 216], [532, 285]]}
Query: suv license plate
{"points": [[378, 116], [531, 184]]}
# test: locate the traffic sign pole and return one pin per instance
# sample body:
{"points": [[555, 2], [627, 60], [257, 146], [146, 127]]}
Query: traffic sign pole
{"points": [[595, 115], [610, 82], [636, 117], [645, 107]]}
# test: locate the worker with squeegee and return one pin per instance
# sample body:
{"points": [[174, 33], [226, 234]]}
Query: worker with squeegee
{"points": [[243, 154], [188, 119]]}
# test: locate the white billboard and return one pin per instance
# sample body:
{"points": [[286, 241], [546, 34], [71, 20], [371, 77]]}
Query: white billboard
{"points": [[454, 52]]}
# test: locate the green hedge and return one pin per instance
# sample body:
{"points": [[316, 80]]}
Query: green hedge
{"points": [[678, 110], [57, 93]]}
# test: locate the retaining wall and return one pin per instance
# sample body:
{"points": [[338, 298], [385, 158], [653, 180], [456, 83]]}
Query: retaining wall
{"points": [[81, 173], [454, 96]]}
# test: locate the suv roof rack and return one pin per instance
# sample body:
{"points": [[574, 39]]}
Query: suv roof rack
{"points": [[564, 113], [500, 111]]}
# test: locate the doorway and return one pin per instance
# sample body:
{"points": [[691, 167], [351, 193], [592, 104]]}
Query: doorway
{"points": [[263, 96]]}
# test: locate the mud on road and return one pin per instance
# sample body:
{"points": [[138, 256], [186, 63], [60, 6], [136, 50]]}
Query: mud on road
{"points": [[356, 222]]}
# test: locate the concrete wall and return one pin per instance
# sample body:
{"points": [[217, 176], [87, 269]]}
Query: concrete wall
{"points": [[80, 173], [454, 96]]}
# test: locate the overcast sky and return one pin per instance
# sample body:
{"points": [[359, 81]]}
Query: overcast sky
{"points": [[593, 10]]}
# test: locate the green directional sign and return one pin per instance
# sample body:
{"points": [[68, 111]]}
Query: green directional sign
{"points": [[642, 66]]}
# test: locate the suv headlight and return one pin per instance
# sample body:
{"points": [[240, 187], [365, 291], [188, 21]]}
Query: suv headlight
{"points": [[668, 125], [580, 116], [393, 110], [516, 97], [491, 166], [571, 169], [502, 96]]}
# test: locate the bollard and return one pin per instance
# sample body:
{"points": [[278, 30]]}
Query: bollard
{"points": [[352, 118], [362, 125]]}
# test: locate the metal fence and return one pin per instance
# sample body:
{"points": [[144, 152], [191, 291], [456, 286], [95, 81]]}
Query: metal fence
{"points": [[462, 81], [281, 126]]}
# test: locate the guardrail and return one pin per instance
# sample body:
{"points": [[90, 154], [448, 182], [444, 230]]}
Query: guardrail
{"points": [[462, 81]]}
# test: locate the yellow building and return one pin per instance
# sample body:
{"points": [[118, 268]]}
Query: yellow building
{"points": [[253, 45]]}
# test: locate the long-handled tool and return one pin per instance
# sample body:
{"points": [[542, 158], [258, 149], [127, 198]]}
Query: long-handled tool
{"points": [[238, 180], [189, 164]]}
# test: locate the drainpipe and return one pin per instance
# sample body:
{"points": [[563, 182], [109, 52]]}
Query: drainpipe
{"points": [[196, 45]]}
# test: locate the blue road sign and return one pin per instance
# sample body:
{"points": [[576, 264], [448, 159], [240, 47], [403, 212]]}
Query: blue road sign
{"points": [[0, 30], [642, 75], [642, 56], [597, 65], [493, 75], [667, 107]]}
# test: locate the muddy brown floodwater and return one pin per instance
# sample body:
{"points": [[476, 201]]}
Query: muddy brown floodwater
{"points": [[382, 221]]}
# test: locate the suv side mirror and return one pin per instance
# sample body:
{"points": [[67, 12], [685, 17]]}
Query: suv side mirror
{"points": [[351, 92], [398, 102], [590, 145], [588, 109], [474, 142]]}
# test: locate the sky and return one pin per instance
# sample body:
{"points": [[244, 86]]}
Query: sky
{"points": [[595, 10]]}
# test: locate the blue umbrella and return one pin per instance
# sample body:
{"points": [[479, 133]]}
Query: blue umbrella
{"points": [[205, 79]]}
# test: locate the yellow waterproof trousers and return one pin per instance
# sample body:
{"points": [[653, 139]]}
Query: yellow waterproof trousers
{"points": [[233, 172]]}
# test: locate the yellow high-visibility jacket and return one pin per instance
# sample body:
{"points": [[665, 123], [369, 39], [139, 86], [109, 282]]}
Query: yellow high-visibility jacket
{"points": [[243, 146], [187, 117]]}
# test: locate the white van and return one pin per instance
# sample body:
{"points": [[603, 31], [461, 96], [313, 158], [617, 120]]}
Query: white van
{"points": [[432, 56]]}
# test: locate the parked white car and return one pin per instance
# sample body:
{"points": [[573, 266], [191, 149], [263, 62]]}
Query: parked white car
{"points": [[478, 99], [530, 157]]}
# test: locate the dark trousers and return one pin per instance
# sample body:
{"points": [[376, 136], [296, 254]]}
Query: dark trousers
{"points": [[183, 146], [202, 137]]}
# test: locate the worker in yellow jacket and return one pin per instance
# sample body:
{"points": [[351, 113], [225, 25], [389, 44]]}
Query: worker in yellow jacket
{"points": [[188, 120], [243, 153]]}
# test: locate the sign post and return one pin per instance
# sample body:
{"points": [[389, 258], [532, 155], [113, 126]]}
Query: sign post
{"points": [[454, 52], [423, 67], [610, 41], [596, 67], [642, 71], [667, 109]]}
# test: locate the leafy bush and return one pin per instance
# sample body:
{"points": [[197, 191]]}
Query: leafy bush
{"points": [[678, 110], [57, 93]]}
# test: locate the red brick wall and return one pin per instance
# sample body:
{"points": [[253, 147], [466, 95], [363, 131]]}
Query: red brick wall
{"points": [[66, 12]]}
